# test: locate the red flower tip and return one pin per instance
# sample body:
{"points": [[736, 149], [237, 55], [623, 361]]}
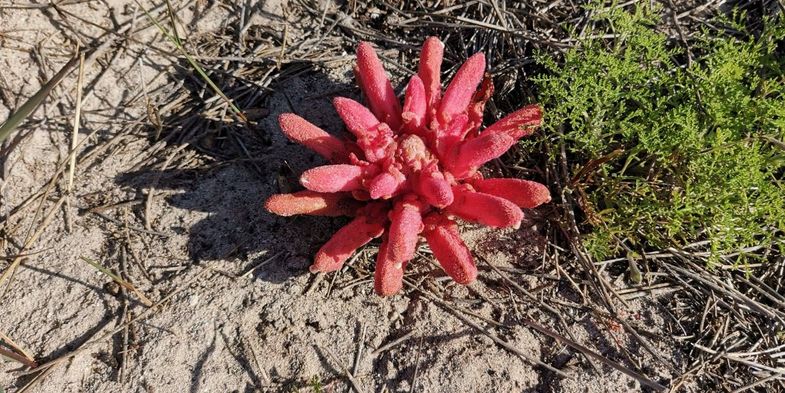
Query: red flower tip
{"points": [[332, 178], [388, 274], [462, 87], [376, 86], [430, 71], [435, 189], [384, 185], [450, 251], [405, 226], [519, 123], [373, 137], [368, 224], [471, 154], [345, 242], [358, 119], [303, 132], [485, 209], [524, 193], [311, 203], [414, 106]]}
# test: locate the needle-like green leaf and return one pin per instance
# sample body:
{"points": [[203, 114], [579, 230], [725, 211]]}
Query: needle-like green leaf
{"points": [[175, 39], [119, 280], [28, 107]]}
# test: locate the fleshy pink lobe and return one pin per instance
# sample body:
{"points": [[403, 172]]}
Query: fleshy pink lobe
{"points": [[358, 119], [385, 184], [453, 134], [434, 188], [373, 137], [345, 242], [332, 178], [524, 193], [405, 226], [388, 274], [305, 133], [493, 141], [485, 209], [445, 241], [466, 157], [461, 89], [429, 70], [519, 123], [377, 87], [414, 106], [311, 203]]}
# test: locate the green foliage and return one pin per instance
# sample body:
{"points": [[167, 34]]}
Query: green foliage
{"points": [[664, 154], [316, 384]]}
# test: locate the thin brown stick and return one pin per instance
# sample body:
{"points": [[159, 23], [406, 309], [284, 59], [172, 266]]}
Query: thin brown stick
{"points": [[352, 380], [256, 267], [74, 143], [413, 384], [392, 344], [358, 353], [504, 344], [17, 358], [542, 304], [16, 347], [9, 271], [143, 315], [586, 351]]}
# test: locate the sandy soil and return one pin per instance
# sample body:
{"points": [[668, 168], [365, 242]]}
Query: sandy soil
{"points": [[239, 311]]}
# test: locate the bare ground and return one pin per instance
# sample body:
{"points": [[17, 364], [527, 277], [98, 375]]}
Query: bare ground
{"points": [[168, 193]]}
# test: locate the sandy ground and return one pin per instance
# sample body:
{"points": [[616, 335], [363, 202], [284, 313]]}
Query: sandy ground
{"points": [[239, 311]]}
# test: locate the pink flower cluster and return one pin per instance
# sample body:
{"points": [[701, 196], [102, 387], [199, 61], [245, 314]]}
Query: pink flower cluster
{"points": [[412, 169]]}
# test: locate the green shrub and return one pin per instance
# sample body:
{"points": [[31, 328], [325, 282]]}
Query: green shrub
{"points": [[666, 155]]}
